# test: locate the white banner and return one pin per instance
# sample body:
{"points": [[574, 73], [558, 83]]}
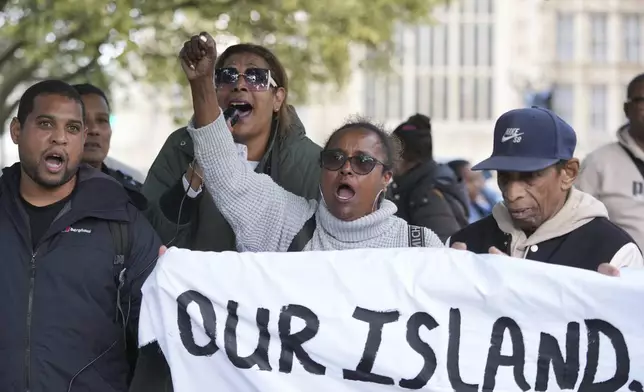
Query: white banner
{"points": [[391, 320]]}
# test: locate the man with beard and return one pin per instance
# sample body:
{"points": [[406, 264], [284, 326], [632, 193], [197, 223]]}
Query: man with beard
{"points": [[69, 293]]}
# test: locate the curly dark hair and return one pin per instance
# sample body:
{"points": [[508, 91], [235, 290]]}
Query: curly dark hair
{"points": [[390, 145]]}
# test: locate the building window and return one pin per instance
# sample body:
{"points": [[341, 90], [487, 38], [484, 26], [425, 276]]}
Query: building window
{"points": [[598, 103], [632, 38], [442, 42], [599, 37], [484, 44], [565, 37], [490, 48], [482, 7], [394, 96], [461, 41], [467, 6], [440, 97], [476, 49], [445, 98], [489, 103], [475, 102], [563, 102], [470, 44], [439, 46], [469, 50], [423, 45], [468, 98], [399, 44], [424, 91], [370, 96], [483, 98], [380, 97], [462, 96]]}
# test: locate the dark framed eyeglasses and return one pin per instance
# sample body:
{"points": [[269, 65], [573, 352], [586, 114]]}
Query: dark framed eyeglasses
{"points": [[257, 79], [362, 164]]}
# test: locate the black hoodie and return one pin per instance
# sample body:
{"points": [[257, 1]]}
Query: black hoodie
{"points": [[430, 195]]}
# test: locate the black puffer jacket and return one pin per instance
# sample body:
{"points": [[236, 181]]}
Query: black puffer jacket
{"points": [[59, 330], [430, 195]]}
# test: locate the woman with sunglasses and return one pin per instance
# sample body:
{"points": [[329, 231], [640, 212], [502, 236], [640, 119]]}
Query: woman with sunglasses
{"points": [[269, 138], [356, 165]]}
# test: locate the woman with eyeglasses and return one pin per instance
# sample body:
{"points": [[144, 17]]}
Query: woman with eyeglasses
{"points": [[356, 166], [269, 139]]}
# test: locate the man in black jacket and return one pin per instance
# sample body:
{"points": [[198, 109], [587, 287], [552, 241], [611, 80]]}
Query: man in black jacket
{"points": [[69, 295], [99, 136], [426, 194], [542, 217]]}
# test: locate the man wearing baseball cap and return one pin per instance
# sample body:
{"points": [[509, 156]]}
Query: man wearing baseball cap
{"points": [[542, 216]]}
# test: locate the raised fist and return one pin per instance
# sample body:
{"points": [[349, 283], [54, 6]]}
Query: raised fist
{"points": [[198, 56]]}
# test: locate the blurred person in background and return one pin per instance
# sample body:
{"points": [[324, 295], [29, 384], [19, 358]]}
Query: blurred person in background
{"points": [[269, 137], [543, 217], [99, 136], [270, 140], [614, 173], [426, 193], [480, 197], [491, 185]]}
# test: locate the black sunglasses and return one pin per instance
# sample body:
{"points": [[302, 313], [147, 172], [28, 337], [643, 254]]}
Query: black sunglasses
{"points": [[257, 79], [361, 164]]}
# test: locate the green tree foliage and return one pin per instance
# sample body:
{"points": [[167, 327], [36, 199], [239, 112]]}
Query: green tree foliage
{"points": [[83, 40]]}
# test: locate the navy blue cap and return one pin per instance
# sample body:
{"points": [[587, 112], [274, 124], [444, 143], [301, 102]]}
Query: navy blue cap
{"points": [[530, 139]]}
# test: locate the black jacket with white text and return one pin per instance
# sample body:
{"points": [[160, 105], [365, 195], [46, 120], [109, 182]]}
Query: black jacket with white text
{"points": [[60, 329]]}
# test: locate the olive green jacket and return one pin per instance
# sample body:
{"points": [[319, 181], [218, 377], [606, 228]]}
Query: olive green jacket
{"points": [[292, 160]]}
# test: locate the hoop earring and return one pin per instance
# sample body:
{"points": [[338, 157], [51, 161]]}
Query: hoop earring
{"points": [[379, 198]]}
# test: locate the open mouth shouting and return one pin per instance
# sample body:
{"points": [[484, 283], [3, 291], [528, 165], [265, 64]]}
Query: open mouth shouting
{"points": [[344, 193], [244, 109], [54, 161]]}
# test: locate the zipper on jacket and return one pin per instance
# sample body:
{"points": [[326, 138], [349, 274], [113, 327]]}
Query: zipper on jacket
{"points": [[30, 301], [32, 279]]}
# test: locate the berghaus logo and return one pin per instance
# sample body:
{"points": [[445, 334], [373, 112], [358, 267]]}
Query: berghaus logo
{"points": [[70, 229]]}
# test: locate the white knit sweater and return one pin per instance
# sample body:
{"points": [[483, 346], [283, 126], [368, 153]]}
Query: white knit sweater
{"points": [[266, 218]]}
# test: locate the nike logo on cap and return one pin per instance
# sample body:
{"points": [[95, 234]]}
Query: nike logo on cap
{"points": [[511, 133]]}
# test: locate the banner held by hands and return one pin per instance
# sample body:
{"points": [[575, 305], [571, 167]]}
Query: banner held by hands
{"points": [[391, 320]]}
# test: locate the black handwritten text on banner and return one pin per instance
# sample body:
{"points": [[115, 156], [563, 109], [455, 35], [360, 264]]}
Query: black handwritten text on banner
{"points": [[371, 335], [566, 366]]}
